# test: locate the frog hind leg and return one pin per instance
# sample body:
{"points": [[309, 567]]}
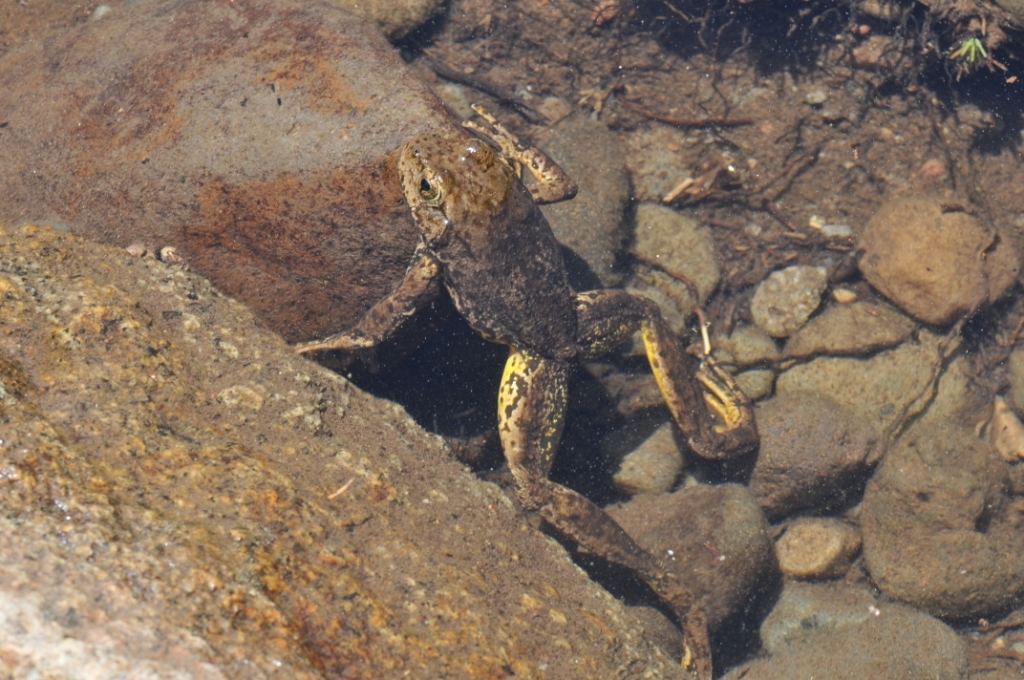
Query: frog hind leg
{"points": [[710, 409], [418, 288], [531, 413]]}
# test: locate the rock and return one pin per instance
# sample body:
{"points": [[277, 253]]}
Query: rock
{"points": [[678, 245], [756, 384], [1006, 432], [1015, 376], [858, 328], [652, 467], [816, 97], [673, 248], [940, 530], [180, 492], [395, 18], [877, 389], [748, 346], [817, 548], [745, 346], [839, 632], [934, 262], [805, 611], [813, 453], [593, 225], [671, 295], [729, 576], [785, 300], [654, 160], [216, 130]]}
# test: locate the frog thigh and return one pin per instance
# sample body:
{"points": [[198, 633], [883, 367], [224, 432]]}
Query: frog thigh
{"points": [[714, 414], [419, 287], [531, 412]]}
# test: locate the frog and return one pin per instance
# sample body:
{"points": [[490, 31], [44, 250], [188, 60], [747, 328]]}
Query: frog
{"points": [[484, 239]]}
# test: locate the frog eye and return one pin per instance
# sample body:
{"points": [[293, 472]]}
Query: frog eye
{"points": [[432, 189]]}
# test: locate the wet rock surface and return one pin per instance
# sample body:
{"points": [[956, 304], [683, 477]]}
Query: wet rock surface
{"points": [[858, 328], [813, 452], [817, 548], [877, 388], [935, 261], [254, 138], [183, 494], [785, 300], [940, 529], [653, 466], [839, 631], [726, 578], [395, 18], [593, 226], [673, 249]]}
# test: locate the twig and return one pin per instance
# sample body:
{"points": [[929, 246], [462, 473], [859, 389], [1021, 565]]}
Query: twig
{"points": [[342, 489], [687, 122], [476, 82]]}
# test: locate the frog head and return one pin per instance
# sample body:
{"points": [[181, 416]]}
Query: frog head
{"points": [[454, 184]]}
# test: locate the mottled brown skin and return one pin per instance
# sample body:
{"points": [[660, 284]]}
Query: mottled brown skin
{"points": [[485, 239]]}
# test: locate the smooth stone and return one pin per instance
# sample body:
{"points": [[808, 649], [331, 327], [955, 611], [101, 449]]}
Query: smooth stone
{"points": [[840, 632], [784, 301], [652, 467], [593, 225], [814, 453], [935, 262], [716, 534], [817, 548], [939, 524], [858, 328]]}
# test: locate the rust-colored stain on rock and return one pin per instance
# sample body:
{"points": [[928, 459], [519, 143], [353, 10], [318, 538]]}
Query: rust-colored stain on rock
{"points": [[253, 138]]}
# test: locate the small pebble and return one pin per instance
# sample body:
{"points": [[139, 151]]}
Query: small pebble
{"points": [[837, 230], [137, 250], [785, 300], [816, 97], [817, 548], [844, 296], [100, 12]]}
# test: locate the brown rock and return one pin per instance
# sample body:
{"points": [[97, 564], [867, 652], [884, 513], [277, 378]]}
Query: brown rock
{"points": [[253, 137], [940, 530], [180, 491], [857, 328], [817, 548], [934, 262], [814, 452], [716, 534]]}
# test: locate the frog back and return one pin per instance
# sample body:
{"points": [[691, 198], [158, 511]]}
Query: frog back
{"points": [[509, 280]]}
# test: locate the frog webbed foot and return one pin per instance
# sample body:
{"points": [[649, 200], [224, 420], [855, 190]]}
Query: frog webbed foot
{"points": [[710, 408]]}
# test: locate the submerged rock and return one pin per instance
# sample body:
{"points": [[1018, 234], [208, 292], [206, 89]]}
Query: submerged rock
{"points": [[940, 529], [255, 138], [935, 262], [840, 632], [182, 494]]}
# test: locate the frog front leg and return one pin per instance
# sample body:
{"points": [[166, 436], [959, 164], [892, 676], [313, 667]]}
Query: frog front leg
{"points": [[531, 413], [552, 184], [419, 287]]}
